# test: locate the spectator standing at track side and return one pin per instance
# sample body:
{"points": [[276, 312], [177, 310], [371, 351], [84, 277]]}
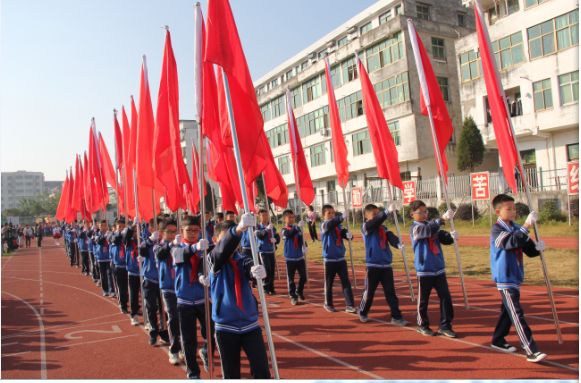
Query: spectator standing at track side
{"points": [[312, 223]]}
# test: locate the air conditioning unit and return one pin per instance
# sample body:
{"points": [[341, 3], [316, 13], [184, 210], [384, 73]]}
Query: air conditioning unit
{"points": [[312, 55]]}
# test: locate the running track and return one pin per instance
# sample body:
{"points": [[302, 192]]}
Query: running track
{"points": [[56, 324]]}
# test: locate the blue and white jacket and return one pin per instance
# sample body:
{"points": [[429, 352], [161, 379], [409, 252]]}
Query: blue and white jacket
{"points": [[377, 240], [226, 314], [263, 235], [131, 252], [508, 242], [165, 266], [189, 265], [90, 244], [83, 240], [117, 250], [102, 247], [149, 270], [245, 241], [210, 226], [426, 241], [332, 238], [293, 243]]}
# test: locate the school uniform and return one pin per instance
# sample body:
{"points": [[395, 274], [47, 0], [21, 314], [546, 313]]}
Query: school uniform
{"points": [[118, 255], [83, 243], [332, 235], [266, 251], [235, 309], [133, 273], [103, 260], [295, 260], [167, 275], [427, 238], [245, 247], [150, 286], [210, 228], [378, 259], [508, 242], [93, 255]]}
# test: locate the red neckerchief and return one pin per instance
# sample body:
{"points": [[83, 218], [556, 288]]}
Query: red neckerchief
{"points": [[237, 283], [338, 241], [193, 262], [382, 238], [433, 246], [295, 238], [121, 251]]}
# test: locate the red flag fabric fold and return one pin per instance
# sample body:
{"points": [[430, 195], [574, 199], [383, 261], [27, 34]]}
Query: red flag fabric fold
{"points": [[107, 165]]}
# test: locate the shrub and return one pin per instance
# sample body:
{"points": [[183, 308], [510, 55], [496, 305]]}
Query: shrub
{"points": [[522, 210], [550, 212], [407, 212], [443, 207], [433, 213], [574, 208], [464, 212]]}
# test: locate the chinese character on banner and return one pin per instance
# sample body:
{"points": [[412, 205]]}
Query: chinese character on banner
{"points": [[357, 198], [573, 177], [409, 192], [480, 185]]}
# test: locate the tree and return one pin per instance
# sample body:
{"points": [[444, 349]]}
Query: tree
{"points": [[470, 146], [32, 207]]}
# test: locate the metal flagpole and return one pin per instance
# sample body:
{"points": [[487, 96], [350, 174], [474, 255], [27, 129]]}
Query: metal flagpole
{"points": [[136, 223], [259, 286], [267, 206], [162, 323], [405, 262], [526, 188], [349, 241], [437, 152]]}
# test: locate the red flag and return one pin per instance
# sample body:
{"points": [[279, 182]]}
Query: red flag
{"points": [[76, 196], [227, 194], [303, 182], [501, 123], [88, 186], [384, 150], [431, 97], [107, 165], [223, 48], [118, 143], [132, 147], [70, 212], [339, 147], [92, 173], [275, 186], [127, 170], [60, 210]]}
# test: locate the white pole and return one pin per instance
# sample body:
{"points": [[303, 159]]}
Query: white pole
{"points": [[349, 241]]}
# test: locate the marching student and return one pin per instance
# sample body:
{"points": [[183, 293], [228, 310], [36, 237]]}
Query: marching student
{"points": [[219, 218], [92, 255], [294, 256], [508, 242], [210, 225], [83, 243], [332, 235], [117, 252], [188, 259], [167, 274], [103, 259], [234, 307], [427, 238], [229, 215], [378, 258], [133, 274], [268, 238]]}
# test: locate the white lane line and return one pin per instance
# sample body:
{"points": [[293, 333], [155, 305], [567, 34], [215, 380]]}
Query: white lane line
{"points": [[328, 357], [96, 341], [15, 353], [49, 330], [4, 344], [43, 374]]}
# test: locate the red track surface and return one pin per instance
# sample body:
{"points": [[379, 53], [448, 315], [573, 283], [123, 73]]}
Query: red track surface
{"points": [[85, 336]]}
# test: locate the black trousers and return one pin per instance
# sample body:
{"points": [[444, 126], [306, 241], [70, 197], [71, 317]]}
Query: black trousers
{"points": [[111, 277], [104, 273], [440, 284], [73, 253], [376, 275], [188, 316], [171, 307], [84, 262], [122, 286], [27, 240], [292, 267], [230, 346], [511, 312], [134, 287], [268, 261], [151, 296], [313, 231], [337, 268], [39, 241], [94, 266]]}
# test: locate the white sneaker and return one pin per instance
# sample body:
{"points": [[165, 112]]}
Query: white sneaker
{"points": [[174, 359], [134, 321]]}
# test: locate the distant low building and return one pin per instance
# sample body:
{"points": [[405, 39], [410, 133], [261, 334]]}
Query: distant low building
{"points": [[20, 184]]}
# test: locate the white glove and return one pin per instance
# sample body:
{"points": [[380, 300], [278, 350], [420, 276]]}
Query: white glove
{"points": [[273, 240], [305, 250], [540, 245], [204, 281], [177, 240], [258, 272], [269, 227], [154, 237], [201, 245], [349, 235], [400, 246], [448, 215], [247, 220], [532, 218], [454, 235], [391, 208], [301, 223]]}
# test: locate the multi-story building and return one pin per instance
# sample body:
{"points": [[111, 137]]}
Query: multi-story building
{"points": [[188, 134], [379, 36], [18, 185], [536, 45]]}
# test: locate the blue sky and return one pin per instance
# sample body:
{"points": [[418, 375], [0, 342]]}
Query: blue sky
{"points": [[65, 61]]}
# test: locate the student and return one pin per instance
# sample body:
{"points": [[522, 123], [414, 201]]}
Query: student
{"points": [[234, 307], [378, 258], [84, 248], [117, 252], [427, 238], [294, 256], [229, 215], [92, 255], [508, 242], [219, 218], [332, 235], [210, 225], [268, 238], [312, 223], [133, 273], [188, 259], [28, 235], [167, 274], [103, 259]]}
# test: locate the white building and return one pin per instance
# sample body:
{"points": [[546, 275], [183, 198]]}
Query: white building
{"points": [[18, 185], [536, 48]]}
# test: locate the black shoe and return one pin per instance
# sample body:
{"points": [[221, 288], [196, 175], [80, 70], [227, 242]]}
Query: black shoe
{"points": [[504, 347], [124, 311], [152, 340], [447, 332], [164, 336], [536, 357], [302, 298], [193, 376], [426, 331]]}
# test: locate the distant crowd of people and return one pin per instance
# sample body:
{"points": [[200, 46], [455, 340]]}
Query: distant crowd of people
{"points": [[17, 236]]}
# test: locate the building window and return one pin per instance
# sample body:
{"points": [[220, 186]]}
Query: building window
{"points": [[365, 28], [277, 136], [573, 152], [317, 155], [567, 27], [443, 82], [284, 164], [394, 130], [312, 89], [296, 99], [542, 94], [502, 9], [335, 73], [349, 69], [289, 74], [342, 41], [350, 106], [508, 51], [423, 11], [278, 107], [528, 157], [461, 19], [569, 87], [361, 143], [265, 110], [313, 122], [563, 30], [393, 90], [532, 3], [438, 49], [398, 10], [384, 53], [385, 17], [470, 65]]}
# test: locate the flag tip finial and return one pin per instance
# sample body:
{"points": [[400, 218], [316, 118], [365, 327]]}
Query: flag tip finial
{"points": [[197, 4]]}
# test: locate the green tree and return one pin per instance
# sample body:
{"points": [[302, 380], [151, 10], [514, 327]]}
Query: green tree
{"points": [[470, 146]]}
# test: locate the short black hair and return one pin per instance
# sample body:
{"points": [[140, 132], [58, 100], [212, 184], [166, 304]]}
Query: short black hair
{"points": [[327, 207], [229, 212], [224, 226], [119, 220], [287, 212], [500, 199], [220, 215], [370, 207], [262, 211], [415, 205], [103, 221], [167, 222], [191, 220]]}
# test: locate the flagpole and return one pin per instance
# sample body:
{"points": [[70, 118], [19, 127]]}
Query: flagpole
{"points": [[349, 241], [137, 225], [405, 262], [525, 187], [259, 285], [267, 207], [436, 146]]}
